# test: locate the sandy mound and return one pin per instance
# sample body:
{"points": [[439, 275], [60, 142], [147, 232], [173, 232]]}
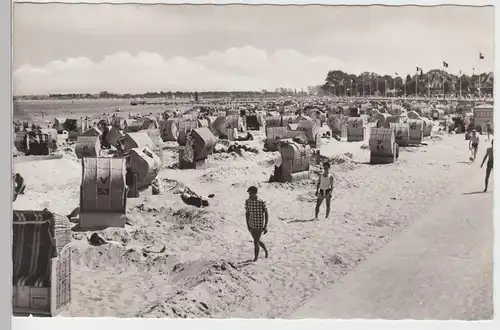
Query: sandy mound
{"points": [[205, 289]]}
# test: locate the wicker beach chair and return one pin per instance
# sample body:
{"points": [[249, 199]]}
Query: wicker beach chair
{"points": [[103, 196], [41, 257]]}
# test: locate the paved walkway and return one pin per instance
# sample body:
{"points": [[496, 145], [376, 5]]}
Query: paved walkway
{"points": [[440, 268]]}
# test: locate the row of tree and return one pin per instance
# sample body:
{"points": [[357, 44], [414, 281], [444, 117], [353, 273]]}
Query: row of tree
{"points": [[433, 82], [163, 95], [337, 82]]}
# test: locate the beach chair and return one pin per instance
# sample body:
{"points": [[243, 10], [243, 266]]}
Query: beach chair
{"points": [[103, 193], [41, 263]]}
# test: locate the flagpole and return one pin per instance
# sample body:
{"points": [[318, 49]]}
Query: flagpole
{"points": [[460, 85], [428, 86], [479, 69], [444, 97], [385, 88], [404, 87], [394, 84], [444, 81], [474, 87], [416, 83], [363, 87]]}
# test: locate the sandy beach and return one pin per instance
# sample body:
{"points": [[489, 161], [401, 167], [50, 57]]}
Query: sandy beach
{"points": [[154, 121], [174, 260]]}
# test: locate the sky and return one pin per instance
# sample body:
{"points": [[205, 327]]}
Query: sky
{"points": [[83, 48]]}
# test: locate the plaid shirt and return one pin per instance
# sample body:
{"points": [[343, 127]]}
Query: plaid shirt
{"points": [[256, 209]]}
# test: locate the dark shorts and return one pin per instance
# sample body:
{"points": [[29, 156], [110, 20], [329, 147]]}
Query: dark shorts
{"points": [[325, 192], [256, 232], [475, 145]]}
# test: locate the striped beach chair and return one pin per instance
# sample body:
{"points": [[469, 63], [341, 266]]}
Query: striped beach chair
{"points": [[41, 257]]}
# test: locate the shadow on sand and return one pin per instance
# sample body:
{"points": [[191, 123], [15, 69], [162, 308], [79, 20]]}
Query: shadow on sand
{"points": [[477, 192], [244, 263], [307, 220]]}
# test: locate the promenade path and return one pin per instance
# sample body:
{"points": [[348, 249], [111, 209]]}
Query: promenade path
{"points": [[440, 268]]}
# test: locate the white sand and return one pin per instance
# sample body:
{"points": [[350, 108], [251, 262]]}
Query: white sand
{"points": [[203, 271]]}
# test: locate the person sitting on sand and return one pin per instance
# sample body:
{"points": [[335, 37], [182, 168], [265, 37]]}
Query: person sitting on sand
{"points": [[324, 190], [194, 200], [489, 165], [257, 219], [155, 187], [474, 144], [104, 141], [19, 186], [74, 214]]}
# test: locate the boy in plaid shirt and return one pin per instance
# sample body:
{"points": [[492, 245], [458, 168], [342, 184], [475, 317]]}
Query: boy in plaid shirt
{"points": [[257, 218]]}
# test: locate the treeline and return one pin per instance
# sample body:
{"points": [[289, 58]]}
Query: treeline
{"points": [[162, 95], [337, 82], [433, 82]]}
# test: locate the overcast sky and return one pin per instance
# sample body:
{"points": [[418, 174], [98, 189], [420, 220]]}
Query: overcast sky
{"points": [[66, 48]]}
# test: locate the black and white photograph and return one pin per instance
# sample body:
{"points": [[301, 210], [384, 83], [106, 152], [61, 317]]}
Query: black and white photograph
{"points": [[248, 161]]}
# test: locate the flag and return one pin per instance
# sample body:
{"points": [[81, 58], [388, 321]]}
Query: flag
{"points": [[481, 56], [487, 79], [445, 64], [396, 73]]}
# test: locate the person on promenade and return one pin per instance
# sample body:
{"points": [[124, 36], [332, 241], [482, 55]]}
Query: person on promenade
{"points": [[474, 144], [489, 165], [324, 190], [489, 129], [257, 219]]}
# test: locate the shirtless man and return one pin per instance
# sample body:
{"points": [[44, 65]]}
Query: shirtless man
{"points": [[324, 190], [489, 165], [474, 144]]}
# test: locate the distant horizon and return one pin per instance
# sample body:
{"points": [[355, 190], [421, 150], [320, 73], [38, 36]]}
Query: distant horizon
{"points": [[271, 91], [66, 48]]}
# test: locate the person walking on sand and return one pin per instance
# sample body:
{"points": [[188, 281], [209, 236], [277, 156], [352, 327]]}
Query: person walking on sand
{"points": [[324, 190], [489, 129], [489, 165], [473, 144], [257, 219]]}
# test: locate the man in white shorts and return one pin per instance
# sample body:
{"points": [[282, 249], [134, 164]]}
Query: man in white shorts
{"points": [[474, 144], [324, 190]]}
